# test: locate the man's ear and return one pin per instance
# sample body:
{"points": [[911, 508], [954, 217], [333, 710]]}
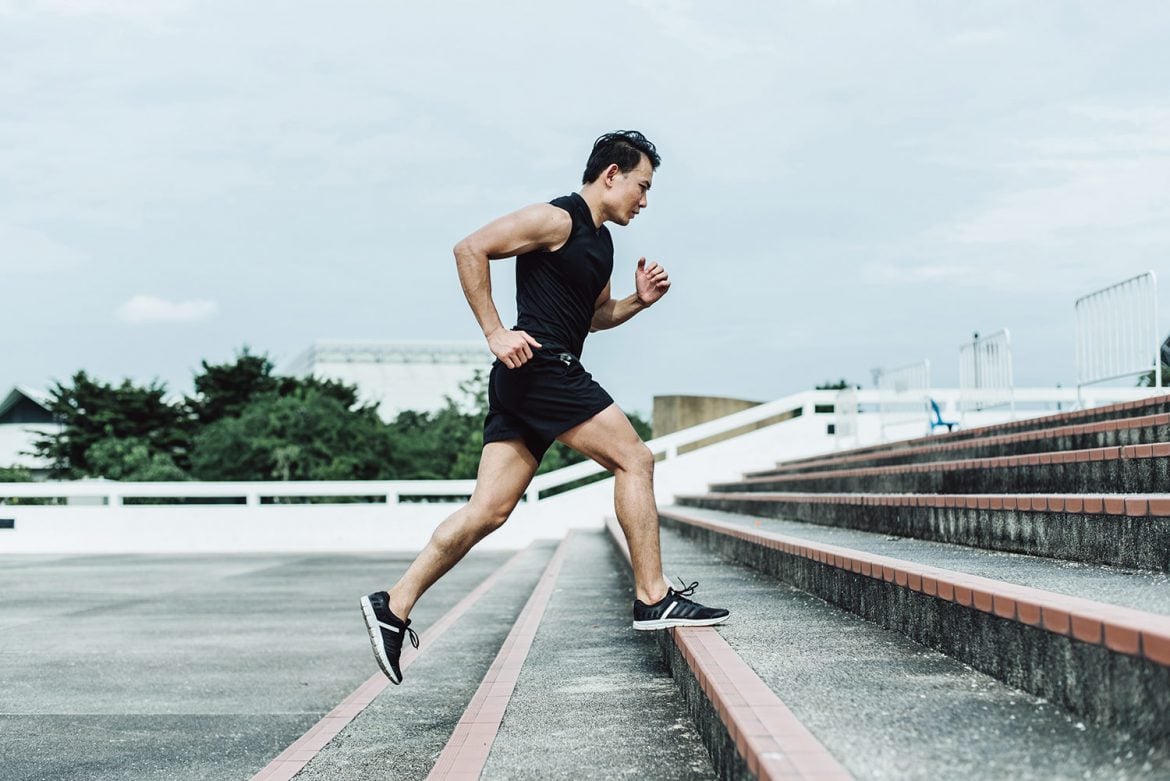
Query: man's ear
{"points": [[610, 174]]}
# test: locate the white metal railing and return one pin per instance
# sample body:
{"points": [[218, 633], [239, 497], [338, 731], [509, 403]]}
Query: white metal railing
{"points": [[845, 409], [108, 492], [985, 374], [1117, 332], [904, 397]]}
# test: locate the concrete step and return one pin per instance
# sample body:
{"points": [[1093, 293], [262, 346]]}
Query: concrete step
{"points": [[1122, 432], [1093, 640], [748, 729], [592, 699], [400, 733], [1127, 531], [1155, 405], [1131, 469], [887, 707]]}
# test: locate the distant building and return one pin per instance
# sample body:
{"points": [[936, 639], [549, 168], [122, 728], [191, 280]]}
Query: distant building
{"points": [[24, 415], [396, 376]]}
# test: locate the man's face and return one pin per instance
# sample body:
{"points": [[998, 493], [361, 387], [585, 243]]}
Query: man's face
{"points": [[627, 194]]}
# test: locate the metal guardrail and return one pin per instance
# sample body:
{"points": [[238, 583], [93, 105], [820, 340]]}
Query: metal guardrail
{"points": [[985, 374], [846, 410], [904, 397], [1117, 332]]}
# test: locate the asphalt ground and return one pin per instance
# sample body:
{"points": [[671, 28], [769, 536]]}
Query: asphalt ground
{"points": [[184, 667]]}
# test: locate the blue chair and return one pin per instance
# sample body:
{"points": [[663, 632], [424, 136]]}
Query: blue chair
{"points": [[937, 421]]}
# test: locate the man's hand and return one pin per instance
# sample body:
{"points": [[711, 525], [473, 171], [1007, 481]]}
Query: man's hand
{"points": [[650, 282], [513, 348]]}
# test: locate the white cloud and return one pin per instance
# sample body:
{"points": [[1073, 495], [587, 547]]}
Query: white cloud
{"points": [[141, 310]]}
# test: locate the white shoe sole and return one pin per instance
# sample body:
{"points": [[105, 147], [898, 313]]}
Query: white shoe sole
{"points": [[376, 640], [647, 626]]}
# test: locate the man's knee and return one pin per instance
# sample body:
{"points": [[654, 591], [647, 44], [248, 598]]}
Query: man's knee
{"points": [[490, 515], [636, 459]]}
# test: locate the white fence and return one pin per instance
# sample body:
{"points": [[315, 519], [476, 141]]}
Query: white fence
{"points": [[985, 374], [1117, 332], [845, 409], [112, 517], [904, 400]]}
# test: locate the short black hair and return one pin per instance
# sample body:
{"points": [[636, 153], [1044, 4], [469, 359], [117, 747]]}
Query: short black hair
{"points": [[624, 147]]}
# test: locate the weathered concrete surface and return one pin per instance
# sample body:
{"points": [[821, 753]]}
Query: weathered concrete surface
{"points": [[594, 700], [183, 667], [1116, 476], [1099, 538], [401, 733], [1137, 589], [1148, 433], [889, 708], [1106, 688]]}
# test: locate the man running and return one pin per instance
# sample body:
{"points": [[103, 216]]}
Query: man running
{"points": [[539, 392]]}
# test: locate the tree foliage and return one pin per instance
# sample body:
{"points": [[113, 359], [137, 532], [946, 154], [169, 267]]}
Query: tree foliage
{"points": [[246, 423]]}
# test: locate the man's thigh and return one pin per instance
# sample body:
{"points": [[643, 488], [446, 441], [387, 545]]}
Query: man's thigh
{"points": [[505, 470], [607, 438]]}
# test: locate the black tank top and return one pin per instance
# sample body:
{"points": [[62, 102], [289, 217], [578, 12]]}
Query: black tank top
{"points": [[556, 291]]}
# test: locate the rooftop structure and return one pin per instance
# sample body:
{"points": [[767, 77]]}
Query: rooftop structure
{"points": [[397, 376]]}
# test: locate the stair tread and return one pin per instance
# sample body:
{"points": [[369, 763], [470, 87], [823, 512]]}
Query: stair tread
{"points": [[594, 698], [1143, 590], [887, 707]]}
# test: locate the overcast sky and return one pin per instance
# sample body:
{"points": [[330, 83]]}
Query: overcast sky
{"points": [[843, 186]]}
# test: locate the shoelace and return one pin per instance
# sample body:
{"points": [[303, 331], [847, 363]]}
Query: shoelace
{"points": [[413, 636], [687, 590]]}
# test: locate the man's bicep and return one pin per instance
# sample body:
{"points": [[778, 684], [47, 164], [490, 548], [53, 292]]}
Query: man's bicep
{"points": [[536, 227], [601, 299]]}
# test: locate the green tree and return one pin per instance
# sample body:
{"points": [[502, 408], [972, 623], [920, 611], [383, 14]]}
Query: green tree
{"points": [[131, 458], [308, 434], [14, 474], [225, 390], [90, 412]]}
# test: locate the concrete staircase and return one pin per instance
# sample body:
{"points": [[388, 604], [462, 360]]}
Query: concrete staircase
{"points": [[987, 604]]}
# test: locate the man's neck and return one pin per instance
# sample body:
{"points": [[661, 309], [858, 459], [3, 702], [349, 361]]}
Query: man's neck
{"points": [[592, 197]]}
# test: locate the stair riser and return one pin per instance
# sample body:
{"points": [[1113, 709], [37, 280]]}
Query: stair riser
{"points": [[1107, 688], [1159, 407], [1121, 540], [728, 763], [1149, 435], [1126, 475]]}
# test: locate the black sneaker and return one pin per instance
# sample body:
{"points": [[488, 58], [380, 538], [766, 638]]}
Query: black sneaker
{"points": [[386, 631], [676, 610]]}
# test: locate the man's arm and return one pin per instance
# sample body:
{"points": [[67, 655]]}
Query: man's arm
{"points": [[541, 226], [650, 284]]}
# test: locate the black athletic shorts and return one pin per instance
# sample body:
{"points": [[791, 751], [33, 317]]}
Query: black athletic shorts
{"points": [[541, 400]]}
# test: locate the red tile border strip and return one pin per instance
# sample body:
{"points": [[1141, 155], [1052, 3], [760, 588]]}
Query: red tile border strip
{"points": [[768, 736], [841, 459], [293, 759], [1091, 622], [1133, 505], [993, 431], [467, 750]]}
